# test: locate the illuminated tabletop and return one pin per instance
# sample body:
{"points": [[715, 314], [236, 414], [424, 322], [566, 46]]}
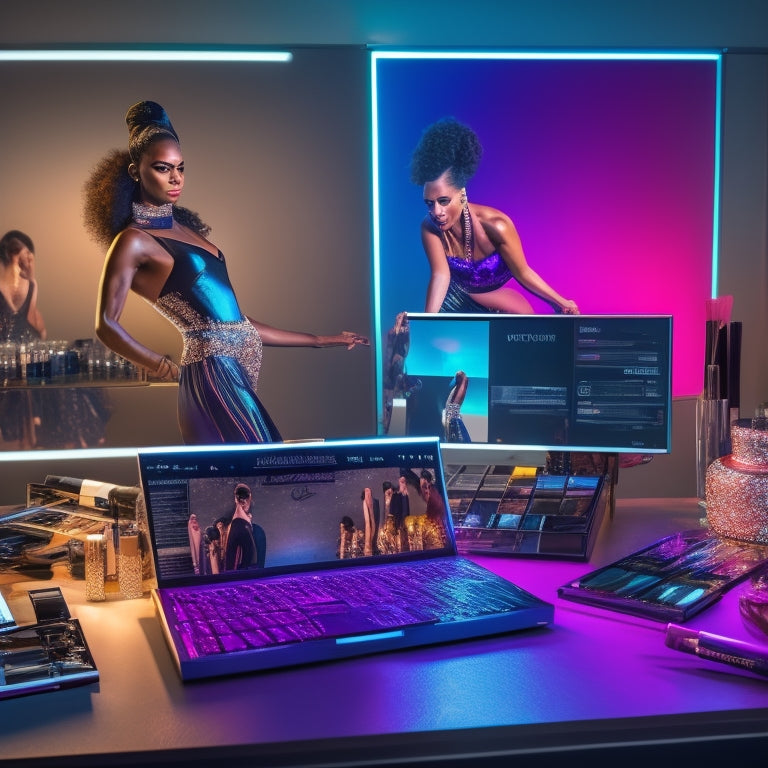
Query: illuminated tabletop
{"points": [[595, 680]]}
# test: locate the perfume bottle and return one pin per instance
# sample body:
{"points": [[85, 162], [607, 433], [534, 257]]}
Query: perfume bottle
{"points": [[130, 567], [95, 567], [713, 434]]}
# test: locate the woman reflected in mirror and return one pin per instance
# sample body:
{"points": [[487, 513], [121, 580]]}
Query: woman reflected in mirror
{"points": [[160, 251], [20, 323], [476, 258], [20, 318], [38, 417]]}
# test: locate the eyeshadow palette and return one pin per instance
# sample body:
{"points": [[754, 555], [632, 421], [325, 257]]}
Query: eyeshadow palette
{"points": [[523, 511], [672, 579]]}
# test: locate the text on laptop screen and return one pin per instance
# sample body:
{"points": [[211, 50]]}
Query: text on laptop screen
{"points": [[271, 507], [568, 383]]}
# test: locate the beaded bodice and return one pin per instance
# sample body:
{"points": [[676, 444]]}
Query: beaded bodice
{"points": [[14, 326], [470, 274], [199, 300], [479, 276]]}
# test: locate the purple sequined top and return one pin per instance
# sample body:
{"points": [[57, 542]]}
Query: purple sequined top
{"points": [[482, 276]]}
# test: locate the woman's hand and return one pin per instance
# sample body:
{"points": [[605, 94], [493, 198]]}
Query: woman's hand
{"points": [[166, 370], [275, 337], [348, 339], [569, 308], [27, 266]]}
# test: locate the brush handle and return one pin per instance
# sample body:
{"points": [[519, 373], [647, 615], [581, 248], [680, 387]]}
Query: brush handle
{"points": [[723, 344], [734, 366]]}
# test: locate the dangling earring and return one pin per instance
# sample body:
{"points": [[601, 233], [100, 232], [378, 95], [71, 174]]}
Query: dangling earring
{"points": [[468, 234]]}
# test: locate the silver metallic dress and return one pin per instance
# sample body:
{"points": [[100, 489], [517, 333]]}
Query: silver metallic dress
{"points": [[221, 357]]}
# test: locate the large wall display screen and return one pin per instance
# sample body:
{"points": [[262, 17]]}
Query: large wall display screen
{"points": [[608, 166]]}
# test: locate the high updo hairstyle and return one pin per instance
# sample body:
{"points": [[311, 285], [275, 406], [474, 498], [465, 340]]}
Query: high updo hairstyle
{"points": [[147, 122], [446, 145], [109, 191]]}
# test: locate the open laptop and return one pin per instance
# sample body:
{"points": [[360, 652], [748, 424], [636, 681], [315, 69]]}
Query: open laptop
{"points": [[281, 554]]}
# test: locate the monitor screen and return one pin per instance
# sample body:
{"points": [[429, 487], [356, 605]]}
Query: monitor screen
{"points": [[537, 382]]}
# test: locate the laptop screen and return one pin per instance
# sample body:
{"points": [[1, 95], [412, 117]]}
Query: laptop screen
{"points": [[217, 512]]}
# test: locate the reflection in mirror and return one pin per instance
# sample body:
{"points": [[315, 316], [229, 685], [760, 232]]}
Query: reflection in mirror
{"points": [[274, 117], [606, 164]]}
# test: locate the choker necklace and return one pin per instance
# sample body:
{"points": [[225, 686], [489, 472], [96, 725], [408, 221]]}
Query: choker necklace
{"points": [[153, 216]]}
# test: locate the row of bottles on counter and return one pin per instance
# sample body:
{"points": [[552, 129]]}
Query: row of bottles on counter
{"points": [[63, 362], [116, 546]]}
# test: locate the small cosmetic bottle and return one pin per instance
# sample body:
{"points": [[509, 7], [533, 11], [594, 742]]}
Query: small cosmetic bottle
{"points": [[130, 568], [95, 567]]}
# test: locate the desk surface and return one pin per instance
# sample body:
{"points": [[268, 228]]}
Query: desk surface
{"points": [[593, 678]]}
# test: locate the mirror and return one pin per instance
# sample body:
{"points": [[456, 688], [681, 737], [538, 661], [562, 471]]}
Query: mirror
{"points": [[607, 165], [270, 166]]}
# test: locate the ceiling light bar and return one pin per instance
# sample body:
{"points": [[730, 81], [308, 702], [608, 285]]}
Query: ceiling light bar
{"points": [[549, 56], [144, 55]]}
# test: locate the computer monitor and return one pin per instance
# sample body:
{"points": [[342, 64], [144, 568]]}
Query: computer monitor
{"points": [[588, 383]]}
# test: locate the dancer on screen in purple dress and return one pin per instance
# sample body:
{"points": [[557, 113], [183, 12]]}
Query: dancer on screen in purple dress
{"points": [[160, 251], [475, 255]]}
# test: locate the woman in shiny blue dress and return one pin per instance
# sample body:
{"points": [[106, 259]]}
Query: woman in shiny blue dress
{"points": [[160, 251]]}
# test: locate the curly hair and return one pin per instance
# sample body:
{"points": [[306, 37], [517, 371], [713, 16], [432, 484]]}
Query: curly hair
{"points": [[446, 145], [109, 191]]}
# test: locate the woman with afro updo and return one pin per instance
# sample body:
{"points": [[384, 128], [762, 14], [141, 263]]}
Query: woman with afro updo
{"points": [[475, 255]]}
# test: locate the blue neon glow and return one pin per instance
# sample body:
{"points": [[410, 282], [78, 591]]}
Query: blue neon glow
{"points": [[69, 453], [369, 638], [145, 55], [549, 55], [716, 202]]}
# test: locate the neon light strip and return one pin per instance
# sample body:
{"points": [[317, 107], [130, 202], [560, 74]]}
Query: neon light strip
{"points": [[145, 55], [375, 224], [369, 638], [542, 55], [716, 181], [67, 453]]}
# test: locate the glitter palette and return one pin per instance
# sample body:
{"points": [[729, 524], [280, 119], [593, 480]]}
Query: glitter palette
{"points": [[514, 510], [672, 579]]}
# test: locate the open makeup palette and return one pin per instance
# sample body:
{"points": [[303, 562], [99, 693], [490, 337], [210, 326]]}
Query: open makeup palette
{"points": [[514, 510]]}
